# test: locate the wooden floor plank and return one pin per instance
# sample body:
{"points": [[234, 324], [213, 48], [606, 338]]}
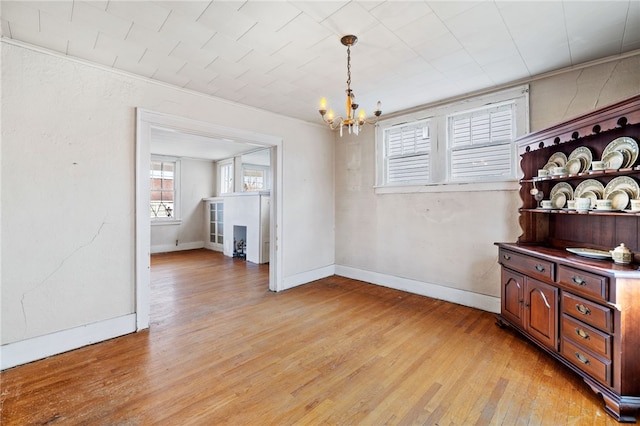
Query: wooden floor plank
{"points": [[223, 349]]}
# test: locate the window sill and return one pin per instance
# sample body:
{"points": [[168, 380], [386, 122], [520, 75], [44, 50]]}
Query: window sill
{"points": [[510, 185], [159, 222]]}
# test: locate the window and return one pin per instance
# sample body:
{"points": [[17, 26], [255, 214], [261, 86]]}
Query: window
{"points": [[226, 177], [252, 179], [479, 143], [407, 148], [164, 189], [466, 142]]}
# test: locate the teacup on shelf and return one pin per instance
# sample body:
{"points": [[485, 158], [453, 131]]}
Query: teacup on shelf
{"points": [[603, 204]]}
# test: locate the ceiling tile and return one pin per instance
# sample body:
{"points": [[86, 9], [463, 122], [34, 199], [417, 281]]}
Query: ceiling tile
{"points": [[319, 10], [194, 55], [146, 14], [343, 22], [304, 31], [223, 17], [227, 68], [123, 49], [135, 66], [21, 14], [171, 78], [438, 47], [275, 14], [227, 48], [181, 28], [197, 73], [84, 49], [190, 10], [631, 38], [452, 60], [5, 29], [61, 9], [38, 38], [260, 62], [144, 37], [200, 87], [395, 15], [170, 64], [449, 9], [422, 31], [262, 38], [89, 14]]}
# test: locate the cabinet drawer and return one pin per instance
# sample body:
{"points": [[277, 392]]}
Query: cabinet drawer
{"points": [[586, 336], [586, 361], [593, 314], [531, 266], [584, 282]]}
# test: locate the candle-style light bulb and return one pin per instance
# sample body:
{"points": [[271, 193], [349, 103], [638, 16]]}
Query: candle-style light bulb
{"points": [[330, 116], [323, 104], [362, 116]]}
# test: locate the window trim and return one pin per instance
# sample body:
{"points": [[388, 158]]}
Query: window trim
{"points": [[438, 116], [177, 213]]}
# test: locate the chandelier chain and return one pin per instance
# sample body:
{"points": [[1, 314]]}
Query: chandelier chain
{"points": [[348, 70]]}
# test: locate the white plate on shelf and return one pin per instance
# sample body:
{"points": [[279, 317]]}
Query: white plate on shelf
{"points": [[559, 158], [625, 183], [589, 185], [613, 160], [594, 254], [559, 200], [623, 143], [583, 153], [562, 187], [619, 199]]}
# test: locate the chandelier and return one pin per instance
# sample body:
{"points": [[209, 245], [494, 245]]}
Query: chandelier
{"points": [[351, 122]]}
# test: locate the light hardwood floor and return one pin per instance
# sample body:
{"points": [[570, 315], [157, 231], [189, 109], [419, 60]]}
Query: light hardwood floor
{"points": [[222, 349]]}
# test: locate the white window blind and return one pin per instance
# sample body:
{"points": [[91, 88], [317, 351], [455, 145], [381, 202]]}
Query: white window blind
{"points": [[407, 150], [480, 145]]}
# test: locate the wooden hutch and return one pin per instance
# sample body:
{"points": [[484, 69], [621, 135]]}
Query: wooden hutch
{"points": [[584, 312]]}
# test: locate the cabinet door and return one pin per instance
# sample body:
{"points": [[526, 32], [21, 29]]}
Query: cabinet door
{"points": [[513, 296], [541, 313]]}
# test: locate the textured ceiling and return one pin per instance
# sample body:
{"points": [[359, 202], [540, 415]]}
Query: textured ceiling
{"points": [[283, 56]]}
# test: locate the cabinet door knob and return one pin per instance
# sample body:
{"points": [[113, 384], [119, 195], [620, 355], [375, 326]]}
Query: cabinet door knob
{"points": [[576, 279], [583, 310], [539, 268], [583, 359], [506, 257], [583, 334], [520, 300]]}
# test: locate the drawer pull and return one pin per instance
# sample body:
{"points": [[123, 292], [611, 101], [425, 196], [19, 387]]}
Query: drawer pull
{"points": [[576, 279], [583, 334], [539, 268], [583, 310], [506, 257], [583, 359]]}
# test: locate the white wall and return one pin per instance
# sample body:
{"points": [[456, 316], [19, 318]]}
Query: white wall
{"points": [[68, 196], [441, 244], [197, 181], [245, 209]]}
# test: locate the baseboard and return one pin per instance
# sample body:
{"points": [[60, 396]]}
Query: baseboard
{"points": [[454, 295], [28, 350], [165, 248], [308, 276]]}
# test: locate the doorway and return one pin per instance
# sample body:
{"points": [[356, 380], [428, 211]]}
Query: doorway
{"points": [[146, 122]]}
